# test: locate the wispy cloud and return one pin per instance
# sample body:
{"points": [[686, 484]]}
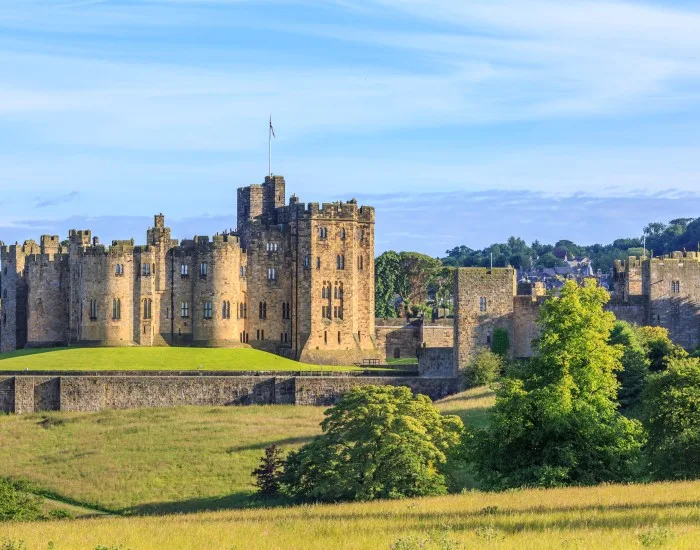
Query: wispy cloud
{"points": [[43, 202]]}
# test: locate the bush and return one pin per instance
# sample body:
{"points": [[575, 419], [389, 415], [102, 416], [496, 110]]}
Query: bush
{"points": [[672, 418], [269, 473], [501, 342], [377, 442], [16, 503], [60, 513], [484, 368]]}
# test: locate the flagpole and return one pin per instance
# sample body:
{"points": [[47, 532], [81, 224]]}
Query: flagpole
{"points": [[269, 148]]}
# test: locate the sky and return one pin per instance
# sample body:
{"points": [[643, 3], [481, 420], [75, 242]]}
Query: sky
{"points": [[462, 122]]}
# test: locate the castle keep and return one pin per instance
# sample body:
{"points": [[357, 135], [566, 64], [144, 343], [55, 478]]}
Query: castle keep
{"points": [[293, 279]]}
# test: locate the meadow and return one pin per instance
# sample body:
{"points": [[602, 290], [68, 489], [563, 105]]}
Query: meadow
{"points": [[147, 461], [156, 358], [610, 517]]}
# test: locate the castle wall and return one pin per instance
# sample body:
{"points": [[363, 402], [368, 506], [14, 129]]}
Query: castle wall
{"points": [[398, 340], [13, 295], [475, 320], [525, 312], [24, 394], [437, 362]]}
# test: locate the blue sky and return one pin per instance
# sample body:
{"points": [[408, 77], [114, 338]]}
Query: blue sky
{"points": [[463, 122]]}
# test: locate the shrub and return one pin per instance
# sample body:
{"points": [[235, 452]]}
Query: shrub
{"points": [[16, 503], [269, 473], [484, 368], [501, 342], [672, 418], [60, 513], [555, 421], [377, 442]]}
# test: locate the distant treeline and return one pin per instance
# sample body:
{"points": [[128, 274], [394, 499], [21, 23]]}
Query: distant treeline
{"points": [[678, 234]]}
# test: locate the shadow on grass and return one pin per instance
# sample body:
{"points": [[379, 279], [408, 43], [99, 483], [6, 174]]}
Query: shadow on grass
{"points": [[236, 501], [262, 444], [477, 417], [30, 351]]}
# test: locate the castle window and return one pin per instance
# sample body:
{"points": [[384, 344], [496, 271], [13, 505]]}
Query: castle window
{"points": [[675, 286], [482, 304], [307, 261], [322, 232], [226, 310], [325, 337], [185, 310], [271, 274], [361, 234], [271, 247], [359, 337], [116, 309], [119, 270], [207, 310], [203, 270], [339, 337], [340, 261], [286, 310], [318, 262], [185, 270], [146, 270], [147, 308], [93, 310], [242, 310], [342, 233], [360, 263], [262, 310]]}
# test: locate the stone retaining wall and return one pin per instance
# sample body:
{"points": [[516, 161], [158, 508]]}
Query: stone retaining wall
{"points": [[23, 393]]}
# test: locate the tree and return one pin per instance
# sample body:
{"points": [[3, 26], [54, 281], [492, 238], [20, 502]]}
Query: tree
{"points": [[269, 473], [377, 442], [17, 503], [555, 421], [658, 347], [484, 367], [417, 270], [387, 270], [672, 402], [635, 365]]}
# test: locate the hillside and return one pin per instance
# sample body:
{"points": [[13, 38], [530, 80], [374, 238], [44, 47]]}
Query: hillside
{"points": [[167, 460], [146, 358], [607, 517]]}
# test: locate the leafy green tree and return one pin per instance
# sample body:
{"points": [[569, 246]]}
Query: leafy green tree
{"points": [[484, 367], [387, 270], [269, 473], [672, 403], [555, 421], [659, 347], [17, 503], [417, 270], [635, 365], [377, 442]]}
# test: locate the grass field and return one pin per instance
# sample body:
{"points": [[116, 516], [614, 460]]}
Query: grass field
{"points": [[166, 460], [607, 517], [164, 358]]}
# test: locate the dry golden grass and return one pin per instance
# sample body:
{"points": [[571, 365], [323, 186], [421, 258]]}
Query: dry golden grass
{"points": [[166, 460], [609, 517]]}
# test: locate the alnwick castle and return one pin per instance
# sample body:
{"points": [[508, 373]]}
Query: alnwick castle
{"points": [[296, 280], [293, 279]]}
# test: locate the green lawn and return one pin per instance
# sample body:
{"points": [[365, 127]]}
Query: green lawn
{"points": [[159, 358], [164, 460]]}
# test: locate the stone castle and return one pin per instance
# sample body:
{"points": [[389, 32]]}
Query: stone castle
{"points": [[293, 279]]}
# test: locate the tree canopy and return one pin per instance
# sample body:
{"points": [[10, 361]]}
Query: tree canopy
{"points": [[377, 442], [555, 421]]}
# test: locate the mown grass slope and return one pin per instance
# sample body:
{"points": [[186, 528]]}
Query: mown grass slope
{"points": [[163, 358], [607, 517], [167, 460]]}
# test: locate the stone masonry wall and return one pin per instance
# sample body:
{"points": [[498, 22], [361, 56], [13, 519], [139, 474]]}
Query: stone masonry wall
{"points": [[28, 393]]}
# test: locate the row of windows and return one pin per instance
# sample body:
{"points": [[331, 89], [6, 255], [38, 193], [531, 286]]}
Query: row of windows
{"points": [[271, 247], [185, 309], [337, 312], [323, 234], [337, 291]]}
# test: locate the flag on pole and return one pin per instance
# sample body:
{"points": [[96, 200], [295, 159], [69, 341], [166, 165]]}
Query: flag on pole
{"points": [[272, 130]]}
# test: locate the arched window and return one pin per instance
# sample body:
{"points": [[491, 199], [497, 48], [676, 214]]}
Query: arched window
{"points": [[116, 309], [93, 310], [203, 270], [207, 310], [147, 308], [342, 233], [185, 270], [226, 310], [340, 261]]}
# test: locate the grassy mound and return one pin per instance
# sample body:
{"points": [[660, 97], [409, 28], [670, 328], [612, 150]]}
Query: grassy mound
{"points": [[606, 517], [165, 358], [165, 460]]}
